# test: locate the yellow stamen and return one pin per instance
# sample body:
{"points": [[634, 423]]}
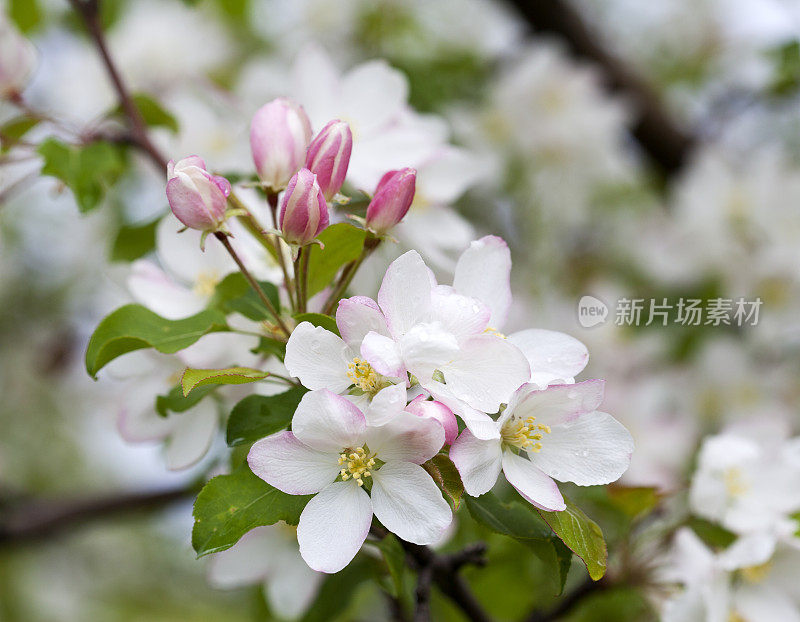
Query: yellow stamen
{"points": [[206, 283], [364, 377], [735, 483], [734, 616], [356, 463], [493, 331], [524, 434], [756, 574]]}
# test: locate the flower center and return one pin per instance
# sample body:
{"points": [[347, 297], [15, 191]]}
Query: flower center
{"points": [[734, 616], [524, 434], [356, 463], [206, 283], [756, 574], [364, 377], [735, 484]]}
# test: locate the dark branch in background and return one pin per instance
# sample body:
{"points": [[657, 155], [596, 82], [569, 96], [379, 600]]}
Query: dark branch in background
{"points": [[568, 603], [89, 12], [667, 144], [35, 520]]}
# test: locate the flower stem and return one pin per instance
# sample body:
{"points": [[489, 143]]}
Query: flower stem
{"points": [[301, 277], [370, 244], [289, 284], [253, 283]]}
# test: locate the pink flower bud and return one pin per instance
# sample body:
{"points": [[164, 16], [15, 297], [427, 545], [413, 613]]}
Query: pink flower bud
{"points": [[438, 411], [304, 211], [329, 155], [197, 198], [279, 136], [17, 59], [391, 201]]}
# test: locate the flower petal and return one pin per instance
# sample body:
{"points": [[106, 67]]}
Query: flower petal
{"points": [[283, 461], [247, 561], [534, 485], [478, 462], [383, 354], [437, 411], [386, 405], [462, 316], [328, 422], [191, 435], [558, 403], [483, 271], [406, 438], [405, 294], [479, 423], [553, 356], [593, 449], [152, 287], [408, 503], [426, 348], [334, 525], [318, 358], [292, 587], [358, 316]]}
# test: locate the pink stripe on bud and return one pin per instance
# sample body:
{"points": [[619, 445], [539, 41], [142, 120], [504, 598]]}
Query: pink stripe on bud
{"points": [[329, 155], [197, 198], [279, 136], [304, 211], [392, 199]]}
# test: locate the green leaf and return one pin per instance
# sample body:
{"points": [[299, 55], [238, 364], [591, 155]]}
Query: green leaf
{"points": [[231, 375], [318, 319], [134, 327], [395, 558], [26, 14], [714, 535], [174, 401], [343, 243], [13, 130], [89, 171], [134, 241], [234, 294], [582, 535], [445, 474], [257, 416], [634, 501], [270, 347], [231, 505], [154, 113]]}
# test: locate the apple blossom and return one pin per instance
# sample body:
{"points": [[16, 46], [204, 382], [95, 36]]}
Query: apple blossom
{"points": [[197, 198], [304, 211], [17, 59], [332, 453], [329, 155], [279, 136], [548, 434], [391, 201]]}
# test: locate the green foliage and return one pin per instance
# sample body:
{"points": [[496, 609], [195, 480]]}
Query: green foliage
{"points": [[445, 474], [231, 375], [634, 501], [582, 535], [395, 558], [318, 319], [12, 131], [134, 241], [134, 327], [338, 591], [257, 416], [714, 535], [176, 402], [231, 505], [153, 113], [786, 69], [89, 171], [270, 347], [343, 243], [234, 294], [26, 14]]}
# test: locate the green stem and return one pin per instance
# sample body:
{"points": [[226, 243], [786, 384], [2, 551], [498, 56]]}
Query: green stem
{"points": [[272, 199], [349, 272], [305, 255], [253, 283]]}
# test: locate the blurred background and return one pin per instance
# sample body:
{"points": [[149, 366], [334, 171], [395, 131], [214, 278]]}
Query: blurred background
{"points": [[625, 150]]}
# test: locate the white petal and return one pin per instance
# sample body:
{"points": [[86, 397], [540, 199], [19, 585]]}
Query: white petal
{"points": [[593, 449], [445, 177], [485, 372], [318, 358], [292, 588], [483, 271], [535, 486], [328, 422], [373, 94], [759, 603], [479, 423], [178, 253], [406, 438], [334, 525], [405, 294], [383, 354], [357, 316], [283, 461], [153, 288], [553, 356], [192, 434], [750, 550], [386, 405], [247, 561], [558, 403], [478, 462], [143, 423], [460, 315], [426, 348], [408, 503]]}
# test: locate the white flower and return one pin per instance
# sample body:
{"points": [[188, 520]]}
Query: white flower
{"points": [[332, 453], [555, 433], [269, 555]]}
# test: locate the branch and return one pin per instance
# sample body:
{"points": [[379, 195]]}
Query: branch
{"points": [[667, 144], [89, 12], [566, 604], [39, 519]]}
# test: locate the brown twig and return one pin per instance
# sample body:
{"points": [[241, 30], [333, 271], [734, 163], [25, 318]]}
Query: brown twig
{"points": [[569, 602], [667, 144]]}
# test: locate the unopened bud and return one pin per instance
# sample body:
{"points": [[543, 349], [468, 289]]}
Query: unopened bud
{"points": [[393, 197], [17, 59], [304, 211], [438, 411], [279, 136], [329, 155], [197, 198]]}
